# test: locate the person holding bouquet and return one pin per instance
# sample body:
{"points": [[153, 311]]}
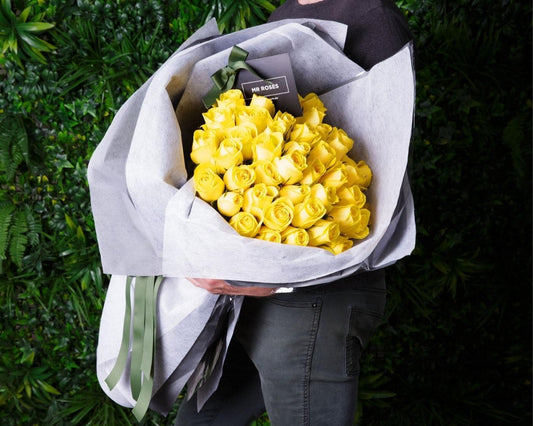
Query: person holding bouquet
{"points": [[296, 354]]}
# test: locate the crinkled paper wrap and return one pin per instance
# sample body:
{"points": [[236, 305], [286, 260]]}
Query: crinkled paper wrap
{"points": [[149, 222]]}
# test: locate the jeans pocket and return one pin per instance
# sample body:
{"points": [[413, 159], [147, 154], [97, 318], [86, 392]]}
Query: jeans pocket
{"points": [[361, 326], [290, 300]]}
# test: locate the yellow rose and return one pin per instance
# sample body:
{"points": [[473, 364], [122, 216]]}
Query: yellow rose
{"points": [[311, 100], [345, 215], [239, 178], [358, 232], [245, 224], [323, 232], [340, 142], [339, 245], [360, 175], [279, 214], [207, 182], [295, 236], [230, 99], [295, 193], [313, 172], [266, 172], [272, 191], [204, 146], [282, 122], [303, 133], [218, 118], [291, 166], [351, 195], [348, 160], [308, 212], [230, 203], [263, 102], [312, 117], [229, 153], [245, 134], [323, 129], [365, 217], [359, 229], [335, 177], [276, 126], [302, 147], [257, 196], [258, 214], [267, 146], [259, 117], [268, 234], [328, 248], [323, 152], [326, 194]]}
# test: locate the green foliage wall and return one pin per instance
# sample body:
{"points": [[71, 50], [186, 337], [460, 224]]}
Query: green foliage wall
{"points": [[457, 341], [455, 347]]}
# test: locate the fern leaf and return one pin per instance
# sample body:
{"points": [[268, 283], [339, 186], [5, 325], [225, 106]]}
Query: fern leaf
{"points": [[17, 156], [13, 144], [19, 239], [6, 217], [34, 228], [5, 153]]}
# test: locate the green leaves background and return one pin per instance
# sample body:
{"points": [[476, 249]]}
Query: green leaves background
{"points": [[455, 346], [18, 33]]}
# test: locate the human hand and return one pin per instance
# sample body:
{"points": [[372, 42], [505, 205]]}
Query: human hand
{"points": [[215, 286]]}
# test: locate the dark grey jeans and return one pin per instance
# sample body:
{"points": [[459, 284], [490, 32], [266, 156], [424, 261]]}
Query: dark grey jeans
{"points": [[297, 356]]}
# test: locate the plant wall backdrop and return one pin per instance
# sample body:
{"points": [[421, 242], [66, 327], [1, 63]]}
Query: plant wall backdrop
{"points": [[455, 345]]}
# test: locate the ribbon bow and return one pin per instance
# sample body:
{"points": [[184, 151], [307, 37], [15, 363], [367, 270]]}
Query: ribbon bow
{"points": [[224, 78]]}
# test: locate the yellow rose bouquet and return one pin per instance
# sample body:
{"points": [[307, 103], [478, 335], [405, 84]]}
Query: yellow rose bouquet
{"points": [[281, 178], [255, 172]]}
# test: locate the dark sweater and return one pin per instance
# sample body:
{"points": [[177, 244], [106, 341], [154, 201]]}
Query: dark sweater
{"points": [[376, 28]]}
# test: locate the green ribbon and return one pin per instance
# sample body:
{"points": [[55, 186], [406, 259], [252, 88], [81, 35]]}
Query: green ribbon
{"points": [[120, 364], [144, 335], [224, 78]]}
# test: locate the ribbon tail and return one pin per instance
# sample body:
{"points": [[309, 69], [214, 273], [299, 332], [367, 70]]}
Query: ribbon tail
{"points": [[210, 98], [120, 364], [148, 347], [138, 335], [143, 401], [144, 338]]}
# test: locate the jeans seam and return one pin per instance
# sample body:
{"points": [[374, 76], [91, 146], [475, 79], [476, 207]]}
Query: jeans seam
{"points": [[309, 360]]}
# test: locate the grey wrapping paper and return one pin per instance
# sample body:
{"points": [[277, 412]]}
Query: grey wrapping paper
{"points": [[149, 222]]}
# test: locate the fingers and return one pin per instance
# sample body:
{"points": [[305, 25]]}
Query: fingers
{"points": [[215, 286]]}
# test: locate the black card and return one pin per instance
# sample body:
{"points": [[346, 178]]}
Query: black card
{"points": [[276, 82]]}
